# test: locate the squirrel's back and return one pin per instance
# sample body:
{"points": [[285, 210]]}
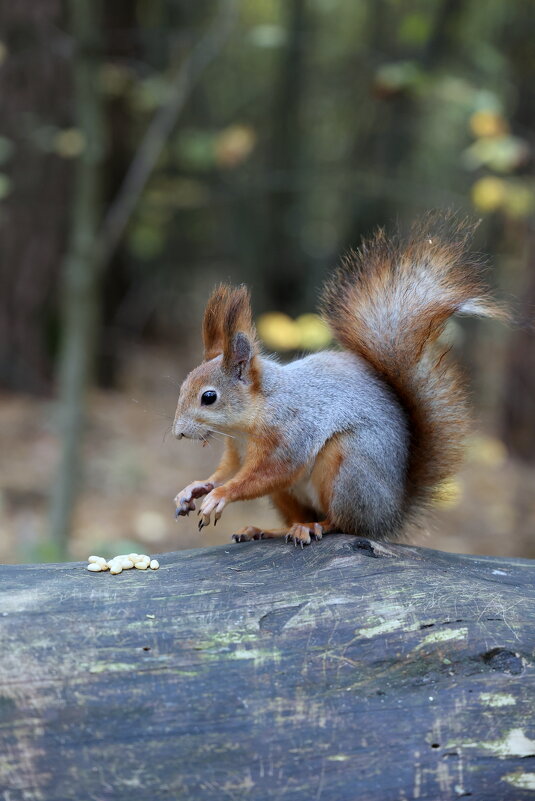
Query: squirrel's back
{"points": [[389, 302]]}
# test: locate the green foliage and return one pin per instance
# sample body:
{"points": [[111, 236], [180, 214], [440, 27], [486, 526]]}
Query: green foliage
{"points": [[146, 241], [5, 186], [414, 29]]}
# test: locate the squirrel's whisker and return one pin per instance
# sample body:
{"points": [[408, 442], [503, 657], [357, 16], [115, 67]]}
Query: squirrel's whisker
{"points": [[158, 413], [215, 431], [166, 432]]}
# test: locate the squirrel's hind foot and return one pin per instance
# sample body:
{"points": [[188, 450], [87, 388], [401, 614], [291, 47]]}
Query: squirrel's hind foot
{"points": [[303, 533], [300, 533], [248, 533]]}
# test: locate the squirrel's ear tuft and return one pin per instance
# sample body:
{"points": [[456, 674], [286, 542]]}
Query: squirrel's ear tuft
{"points": [[238, 356], [213, 321], [227, 312]]}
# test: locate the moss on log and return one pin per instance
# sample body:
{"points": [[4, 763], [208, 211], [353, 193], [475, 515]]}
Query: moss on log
{"points": [[348, 670]]}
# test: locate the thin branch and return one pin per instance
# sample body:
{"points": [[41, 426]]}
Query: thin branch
{"points": [[159, 130]]}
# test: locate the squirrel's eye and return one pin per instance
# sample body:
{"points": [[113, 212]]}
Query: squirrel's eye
{"points": [[208, 397]]}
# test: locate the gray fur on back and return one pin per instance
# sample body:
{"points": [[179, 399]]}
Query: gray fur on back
{"points": [[311, 400]]}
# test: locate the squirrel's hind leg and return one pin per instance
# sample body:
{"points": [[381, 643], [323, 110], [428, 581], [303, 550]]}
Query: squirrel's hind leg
{"points": [[367, 490], [296, 530]]}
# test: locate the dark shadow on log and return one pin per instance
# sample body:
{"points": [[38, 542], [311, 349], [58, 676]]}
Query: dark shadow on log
{"points": [[349, 670]]}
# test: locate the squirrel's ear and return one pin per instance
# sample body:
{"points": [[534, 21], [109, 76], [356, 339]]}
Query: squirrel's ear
{"points": [[227, 312], [239, 355], [213, 322]]}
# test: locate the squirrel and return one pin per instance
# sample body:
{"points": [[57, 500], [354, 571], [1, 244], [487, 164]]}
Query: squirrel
{"points": [[355, 440]]}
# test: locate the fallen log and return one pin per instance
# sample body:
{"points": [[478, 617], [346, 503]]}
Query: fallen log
{"points": [[348, 670]]}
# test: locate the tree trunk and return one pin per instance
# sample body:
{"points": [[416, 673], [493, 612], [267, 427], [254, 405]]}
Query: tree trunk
{"points": [[286, 265], [80, 271], [94, 245], [347, 671], [34, 87]]}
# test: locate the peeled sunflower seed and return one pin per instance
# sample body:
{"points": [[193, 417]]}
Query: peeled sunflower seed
{"points": [[96, 560], [122, 562]]}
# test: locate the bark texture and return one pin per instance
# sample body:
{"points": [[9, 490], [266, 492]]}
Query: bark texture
{"points": [[349, 670]]}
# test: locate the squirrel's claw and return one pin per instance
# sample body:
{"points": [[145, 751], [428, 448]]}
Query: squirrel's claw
{"points": [[303, 533], [185, 500], [184, 508], [209, 505], [248, 533]]}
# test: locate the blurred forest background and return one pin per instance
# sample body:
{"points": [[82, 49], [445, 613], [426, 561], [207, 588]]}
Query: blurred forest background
{"points": [[149, 148]]}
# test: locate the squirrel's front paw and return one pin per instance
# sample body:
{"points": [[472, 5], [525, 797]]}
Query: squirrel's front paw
{"points": [[184, 501], [214, 502]]}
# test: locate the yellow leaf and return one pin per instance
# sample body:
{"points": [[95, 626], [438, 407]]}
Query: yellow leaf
{"points": [[488, 123], [278, 331], [315, 335], [488, 194], [69, 143], [234, 145], [487, 450]]}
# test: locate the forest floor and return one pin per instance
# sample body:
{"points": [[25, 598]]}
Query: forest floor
{"points": [[133, 468]]}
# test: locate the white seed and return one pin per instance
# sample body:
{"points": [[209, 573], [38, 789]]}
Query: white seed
{"points": [[126, 564], [96, 560], [134, 557], [115, 569], [154, 565], [141, 565], [94, 567]]}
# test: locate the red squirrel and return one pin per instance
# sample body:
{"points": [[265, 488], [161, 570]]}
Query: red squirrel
{"points": [[355, 440]]}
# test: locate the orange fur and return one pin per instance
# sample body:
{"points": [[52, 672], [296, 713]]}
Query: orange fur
{"points": [[260, 474], [289, 508], [389, 302], [228, 311], [326, 467], [228, 466]]}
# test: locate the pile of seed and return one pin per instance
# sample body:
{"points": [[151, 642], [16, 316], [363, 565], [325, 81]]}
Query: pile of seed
{"points": [[125, 561]]}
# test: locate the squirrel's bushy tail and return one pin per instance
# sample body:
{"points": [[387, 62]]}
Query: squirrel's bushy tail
{"points": [[389, 302]]}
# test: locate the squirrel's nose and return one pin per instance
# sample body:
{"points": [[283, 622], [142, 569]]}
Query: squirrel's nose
{"points": [[179, 436]]}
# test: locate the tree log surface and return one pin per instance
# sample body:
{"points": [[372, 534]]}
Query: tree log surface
{"points": [[347, 670]]}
